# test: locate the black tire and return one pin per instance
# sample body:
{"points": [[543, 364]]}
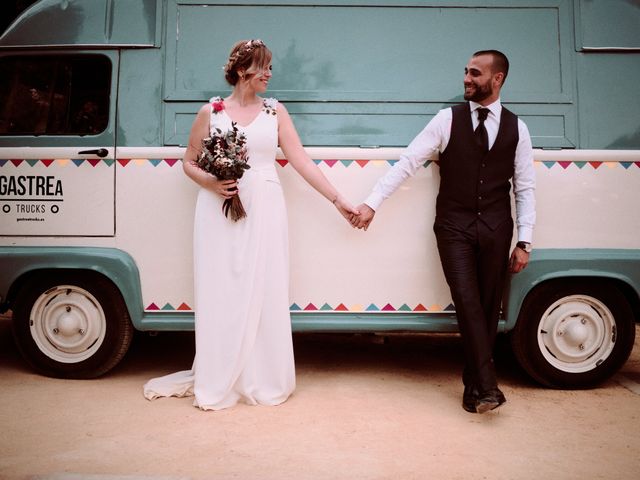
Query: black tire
{"points": [[71, 324], [574, 333]]}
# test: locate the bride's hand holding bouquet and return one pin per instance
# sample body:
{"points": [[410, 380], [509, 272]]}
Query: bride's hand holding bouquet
{"points": [[224, 155], [224, 188]]}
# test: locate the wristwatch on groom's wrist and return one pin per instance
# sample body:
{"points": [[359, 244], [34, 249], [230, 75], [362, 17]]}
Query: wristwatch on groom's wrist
{"points": [[526, 246]]}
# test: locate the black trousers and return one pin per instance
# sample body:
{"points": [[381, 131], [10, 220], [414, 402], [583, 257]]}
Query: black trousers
{"points": [[475, 261]]}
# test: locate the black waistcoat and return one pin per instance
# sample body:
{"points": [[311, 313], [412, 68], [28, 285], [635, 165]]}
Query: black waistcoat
{"points": [[475, 185]]}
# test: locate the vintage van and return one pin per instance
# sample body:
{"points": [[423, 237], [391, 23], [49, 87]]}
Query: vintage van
{"points": [[97, 99]]}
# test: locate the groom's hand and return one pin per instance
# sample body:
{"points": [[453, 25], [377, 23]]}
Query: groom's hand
{"points": [[518, 261], [365, 217]]}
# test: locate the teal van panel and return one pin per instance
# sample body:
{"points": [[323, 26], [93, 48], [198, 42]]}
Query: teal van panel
{"points": [[329, 322], [608, 100], [603, 24], [86, 23], [117, 265], [379, 124], [358, 124], [548, 264], [362, 73], [394, 124], [385, 51], [363, 322], [140, 107], [394, 56]]}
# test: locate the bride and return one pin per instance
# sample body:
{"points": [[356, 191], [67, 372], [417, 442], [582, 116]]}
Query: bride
{"points": [[244, 350]]}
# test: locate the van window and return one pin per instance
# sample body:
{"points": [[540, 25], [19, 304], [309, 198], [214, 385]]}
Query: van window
{"points": [[54, 94]]}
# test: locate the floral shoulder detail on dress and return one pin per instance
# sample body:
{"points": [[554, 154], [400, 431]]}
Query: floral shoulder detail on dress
{"points": [[269, 106], [217, 104]]}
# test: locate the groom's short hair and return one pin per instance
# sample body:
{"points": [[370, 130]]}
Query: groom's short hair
{"points": [[500, 61]]}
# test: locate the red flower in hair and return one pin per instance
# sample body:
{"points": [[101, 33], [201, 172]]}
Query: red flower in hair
{"points": [[217, 106]]}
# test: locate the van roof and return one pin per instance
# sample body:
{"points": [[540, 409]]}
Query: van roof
{"points": [[88, 24]]}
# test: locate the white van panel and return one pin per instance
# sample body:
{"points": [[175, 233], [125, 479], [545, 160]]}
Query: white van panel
{"points": [[56, 192]]}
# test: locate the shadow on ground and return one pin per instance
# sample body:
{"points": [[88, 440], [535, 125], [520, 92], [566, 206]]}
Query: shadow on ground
{"points": [[416, 355]]}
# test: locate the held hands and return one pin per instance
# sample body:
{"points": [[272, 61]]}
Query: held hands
{"points": [[346, 209], [364, 218]]}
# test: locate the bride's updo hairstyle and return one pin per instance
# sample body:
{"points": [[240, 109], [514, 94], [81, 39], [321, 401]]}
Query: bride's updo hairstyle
{"points": [[250, 56]]}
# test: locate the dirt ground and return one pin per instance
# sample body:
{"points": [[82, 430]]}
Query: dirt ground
{"points": [[364, 408]]}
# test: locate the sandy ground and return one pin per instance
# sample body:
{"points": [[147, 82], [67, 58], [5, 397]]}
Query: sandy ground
{"points": [[363, 409]]}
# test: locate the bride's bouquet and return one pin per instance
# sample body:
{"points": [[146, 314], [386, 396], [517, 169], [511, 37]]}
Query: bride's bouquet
{"points": [[225, 156]]}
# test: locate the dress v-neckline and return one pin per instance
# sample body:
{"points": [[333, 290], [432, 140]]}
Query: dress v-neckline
{"points": [[248, 124]]}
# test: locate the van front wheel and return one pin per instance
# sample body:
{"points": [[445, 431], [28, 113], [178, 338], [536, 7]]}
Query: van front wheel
{"points": [[574, 333], [71, 324]]}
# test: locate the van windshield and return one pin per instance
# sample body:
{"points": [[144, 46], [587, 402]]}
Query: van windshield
{"points": [[54, 94]]}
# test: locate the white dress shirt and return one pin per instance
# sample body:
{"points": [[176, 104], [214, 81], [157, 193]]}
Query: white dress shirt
{"points": [[434, 139]]}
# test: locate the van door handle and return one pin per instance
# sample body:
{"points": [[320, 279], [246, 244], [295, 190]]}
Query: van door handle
{"points": [[101, 152]]}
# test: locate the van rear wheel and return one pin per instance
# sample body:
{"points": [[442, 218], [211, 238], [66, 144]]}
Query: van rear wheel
{"points": [[71, 324], [574, 333]]}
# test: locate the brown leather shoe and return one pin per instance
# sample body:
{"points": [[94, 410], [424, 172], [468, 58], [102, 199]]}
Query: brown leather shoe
{"points": [[469, 399], [489, 400]]}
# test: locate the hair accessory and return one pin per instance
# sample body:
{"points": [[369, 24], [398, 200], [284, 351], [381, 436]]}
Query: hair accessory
{"points": [[246, 49]]}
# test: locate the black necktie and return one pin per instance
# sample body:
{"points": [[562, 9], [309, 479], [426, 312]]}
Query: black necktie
{"points": [[482, 137]]}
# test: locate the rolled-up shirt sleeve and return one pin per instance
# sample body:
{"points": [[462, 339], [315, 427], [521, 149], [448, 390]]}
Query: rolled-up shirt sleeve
{"points": [[426, 146], [524, 185]]}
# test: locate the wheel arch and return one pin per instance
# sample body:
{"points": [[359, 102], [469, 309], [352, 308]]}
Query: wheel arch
{"points": [[19, 264], [619, 267]]}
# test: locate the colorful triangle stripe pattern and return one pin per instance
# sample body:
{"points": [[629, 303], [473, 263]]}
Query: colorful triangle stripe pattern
{"points": [[94, 162], [62, 162], [331, 163], [183, 307], [341, 307]]}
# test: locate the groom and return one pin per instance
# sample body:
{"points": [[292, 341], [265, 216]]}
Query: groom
{"points": [[481, 146]]}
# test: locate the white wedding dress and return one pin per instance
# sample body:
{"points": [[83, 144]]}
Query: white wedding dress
{"points": [[244, 350]]}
